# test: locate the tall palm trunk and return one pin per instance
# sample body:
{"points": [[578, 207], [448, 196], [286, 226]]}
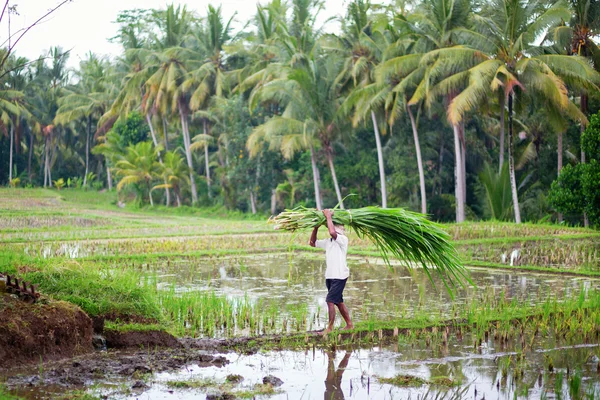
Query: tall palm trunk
{"points": [[502, 139], [511, 161], [155, 141], [380, 160], [315, 171], [30, 153], [10, 157], [463, 160], [419, 161], [254, 190], [166, 133], [108, 174], [274, 200], [252, 202], [188, 153], [583, 106], [150, 194], [559, 150], [338, 192], [87, 149], [206, 163], [458, 181], [47, 174]]}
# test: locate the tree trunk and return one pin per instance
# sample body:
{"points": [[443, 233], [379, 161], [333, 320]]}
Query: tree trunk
{"points": [[380, 160], [559, 150], [335, 181], [178, 199], [419, 161], [47, 175], [511, 161], [583, 105], [44, 156], [273, 201], [150, 196], [440, 164], [252, 202], [30, 153], [166, 133], [10, 156], [155, 141], [463, 159], [502, 139], [188, 154], [256, 178], [87, 149], [206, 162], [458, 190], [108, 175], [315, 170]]}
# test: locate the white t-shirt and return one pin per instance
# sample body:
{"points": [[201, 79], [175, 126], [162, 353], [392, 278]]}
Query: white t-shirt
{"points": [[335, 254]]}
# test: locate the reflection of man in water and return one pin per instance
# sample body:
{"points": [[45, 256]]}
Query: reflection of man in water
{"points": [[337, 271], [333, 383]]}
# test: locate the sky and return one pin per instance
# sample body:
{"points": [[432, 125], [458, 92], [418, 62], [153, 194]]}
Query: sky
{"points": [[86, 25]]}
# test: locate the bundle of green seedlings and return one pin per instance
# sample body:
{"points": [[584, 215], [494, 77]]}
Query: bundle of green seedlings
{"points": [[410, 237]]}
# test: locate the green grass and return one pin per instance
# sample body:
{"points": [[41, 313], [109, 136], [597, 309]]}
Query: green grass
{"points": [[411, 381], [226, 388], [403, 380], [118, 326], [5, 395]]}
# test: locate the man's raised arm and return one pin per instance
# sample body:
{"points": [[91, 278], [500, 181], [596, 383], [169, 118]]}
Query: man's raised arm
{"points": [[313, 236], [328, 213]]}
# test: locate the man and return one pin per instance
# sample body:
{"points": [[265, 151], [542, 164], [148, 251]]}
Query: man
{"points": [[337, 271]]}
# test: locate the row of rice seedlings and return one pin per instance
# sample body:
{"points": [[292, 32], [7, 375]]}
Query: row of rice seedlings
{"points": [[69, 232], [555, 253], [491, 229], [90, 248]]}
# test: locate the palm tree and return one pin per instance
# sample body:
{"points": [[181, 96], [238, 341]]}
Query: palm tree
{"points": [[173, 172], [311, 100], [437, 28], [210, 79], [88, 101], [139, 168], [363, 49], [13, 106], [44, 91], [519, 68]]}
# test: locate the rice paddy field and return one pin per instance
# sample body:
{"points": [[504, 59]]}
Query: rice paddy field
{"points": [[527, 327]]}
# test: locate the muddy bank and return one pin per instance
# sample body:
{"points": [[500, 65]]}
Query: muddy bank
{"points": [[130, 367], [133, 339], [45, 330]]}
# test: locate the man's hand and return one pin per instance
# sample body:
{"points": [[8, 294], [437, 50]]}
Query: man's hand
{"points": [[328, 213]]}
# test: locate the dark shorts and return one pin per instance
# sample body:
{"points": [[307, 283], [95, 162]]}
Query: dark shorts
{"points": [[335, 289]]}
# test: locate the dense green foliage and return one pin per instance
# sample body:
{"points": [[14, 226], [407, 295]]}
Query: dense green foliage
{"points": [[417, 106], [576, 190]]}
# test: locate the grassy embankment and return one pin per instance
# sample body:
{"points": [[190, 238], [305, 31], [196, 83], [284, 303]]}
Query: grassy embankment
{"points": [[42, 229]]}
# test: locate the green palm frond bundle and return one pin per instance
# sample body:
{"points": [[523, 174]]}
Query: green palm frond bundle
{"points": [[408, 236]]}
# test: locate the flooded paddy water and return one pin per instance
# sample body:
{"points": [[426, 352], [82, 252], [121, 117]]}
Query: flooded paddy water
{"points": [[293, 286]]}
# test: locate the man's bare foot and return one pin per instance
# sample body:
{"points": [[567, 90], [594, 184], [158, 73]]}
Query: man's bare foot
{"points": [[324, 332], [348, 328]]}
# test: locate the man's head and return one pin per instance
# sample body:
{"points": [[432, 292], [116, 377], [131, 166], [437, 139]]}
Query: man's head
{"points": [[339, 229]]}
